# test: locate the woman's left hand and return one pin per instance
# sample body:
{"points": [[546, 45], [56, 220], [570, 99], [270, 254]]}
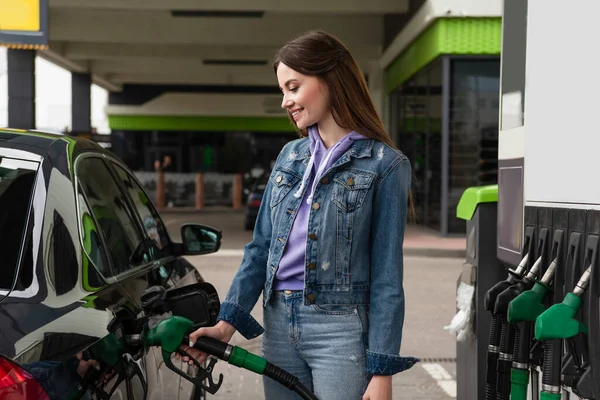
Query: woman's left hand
{"points": [[380, 388]]}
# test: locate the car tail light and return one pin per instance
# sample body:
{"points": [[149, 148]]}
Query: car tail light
{"points": [[18, 384], [254, 203]]}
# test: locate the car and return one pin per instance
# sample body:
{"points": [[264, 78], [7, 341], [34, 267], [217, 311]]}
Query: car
{"points": [[81, 242], [255, 196]]}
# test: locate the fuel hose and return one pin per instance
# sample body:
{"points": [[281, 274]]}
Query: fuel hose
{"points": [[242, 358]]}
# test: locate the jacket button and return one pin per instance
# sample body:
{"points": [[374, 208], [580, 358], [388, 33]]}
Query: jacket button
{"points": [[311, 298], [324, 181], [315, 206], [311, 266], [350, 181], [279, 179], [312, 236]]}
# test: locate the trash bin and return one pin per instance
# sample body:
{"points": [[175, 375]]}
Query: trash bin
{"points": [[482, 269]]}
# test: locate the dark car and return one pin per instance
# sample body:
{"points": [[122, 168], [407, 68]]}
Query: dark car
{"points": [[254, 199], [81, 242]]}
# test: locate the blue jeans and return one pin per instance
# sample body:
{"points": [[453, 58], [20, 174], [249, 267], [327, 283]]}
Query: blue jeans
{"points": [[323, 347]]}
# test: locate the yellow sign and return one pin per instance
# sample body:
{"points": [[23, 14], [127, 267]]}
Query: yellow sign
{"points": [[20, 15]]}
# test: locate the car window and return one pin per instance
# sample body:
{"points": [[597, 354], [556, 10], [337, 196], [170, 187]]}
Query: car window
{"points": [[17, 180], [92, 243], [108, 205], [153, 225]]}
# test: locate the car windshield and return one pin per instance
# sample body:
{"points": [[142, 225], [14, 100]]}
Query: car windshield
{"points": [[17, 178]]}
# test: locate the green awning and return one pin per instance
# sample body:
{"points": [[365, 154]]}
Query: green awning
{"points": [[458, 36]]}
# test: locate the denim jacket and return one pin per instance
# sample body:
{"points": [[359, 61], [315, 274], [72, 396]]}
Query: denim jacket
{"points": [[354, 244]]}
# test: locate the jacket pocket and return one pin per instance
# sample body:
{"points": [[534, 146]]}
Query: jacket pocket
{"points": [[350, 188], [283, 182]]}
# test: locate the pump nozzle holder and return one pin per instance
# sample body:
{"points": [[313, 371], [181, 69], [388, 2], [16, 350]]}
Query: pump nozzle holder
{"points": [[558, 321]]}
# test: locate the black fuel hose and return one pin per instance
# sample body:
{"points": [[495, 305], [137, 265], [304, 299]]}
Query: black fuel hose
{"points": [[492, 359], [242, 358], [551, 368]]}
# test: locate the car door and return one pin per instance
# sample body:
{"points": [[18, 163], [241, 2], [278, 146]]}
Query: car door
{"points": [[169, 271]]}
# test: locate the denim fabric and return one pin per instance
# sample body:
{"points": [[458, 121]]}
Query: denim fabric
{"points": [[353, 250], [56, 378], [324, 348]]}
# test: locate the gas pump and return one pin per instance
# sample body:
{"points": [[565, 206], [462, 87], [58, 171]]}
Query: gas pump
{"points": [[546, 314]]}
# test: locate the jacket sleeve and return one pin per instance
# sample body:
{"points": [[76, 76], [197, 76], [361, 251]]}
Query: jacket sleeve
{"points": [[386, 309], [250, 278]]}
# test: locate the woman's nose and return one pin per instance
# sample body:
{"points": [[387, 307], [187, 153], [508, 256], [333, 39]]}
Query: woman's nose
{"points": [[286, 103]]}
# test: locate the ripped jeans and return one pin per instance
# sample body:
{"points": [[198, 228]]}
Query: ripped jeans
{"points": [[323, 346]]}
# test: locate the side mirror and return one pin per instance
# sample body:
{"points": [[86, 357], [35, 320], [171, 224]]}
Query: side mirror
{"points": [[200, 239]]}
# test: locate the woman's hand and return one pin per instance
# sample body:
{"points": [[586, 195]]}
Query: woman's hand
{"points": [[222, 331], [380, 388]]}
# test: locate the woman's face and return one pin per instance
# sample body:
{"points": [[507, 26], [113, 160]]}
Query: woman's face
{"points": [[304, 97]]}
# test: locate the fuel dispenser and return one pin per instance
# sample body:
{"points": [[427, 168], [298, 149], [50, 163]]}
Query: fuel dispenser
{"points": [[544, 314], [544, 306]]}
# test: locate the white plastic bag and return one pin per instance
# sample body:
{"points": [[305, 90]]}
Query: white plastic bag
{"points": [[461, 323]]}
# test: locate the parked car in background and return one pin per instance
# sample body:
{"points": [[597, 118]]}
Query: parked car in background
{"points": [[254, 199], [81, 241]]}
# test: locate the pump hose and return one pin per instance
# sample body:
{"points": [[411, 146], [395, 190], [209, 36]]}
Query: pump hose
{"points": [[492, 359], [507, 341], [551, 368], [520, 374], [288, 380], [242, 358]]}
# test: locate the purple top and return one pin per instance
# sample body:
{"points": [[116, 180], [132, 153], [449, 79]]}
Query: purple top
{"points": [[290, 275]]}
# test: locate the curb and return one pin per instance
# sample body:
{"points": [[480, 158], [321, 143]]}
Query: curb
{"points": [[434, 253], [164, 211]]}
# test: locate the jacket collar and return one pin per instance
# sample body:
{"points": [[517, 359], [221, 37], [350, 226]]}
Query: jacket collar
{"points": [[359, 149]]}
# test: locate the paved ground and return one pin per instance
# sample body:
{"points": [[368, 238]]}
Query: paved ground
{"points": [[430, 304]]}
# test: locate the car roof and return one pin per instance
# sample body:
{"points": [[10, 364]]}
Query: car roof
{"points": [[39, 142]]}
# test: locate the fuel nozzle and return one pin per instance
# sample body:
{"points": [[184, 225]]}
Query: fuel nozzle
{"points": [[558, 321], [509, 333], [529, 305], [498, 326], [521, 268], [523, 311]]}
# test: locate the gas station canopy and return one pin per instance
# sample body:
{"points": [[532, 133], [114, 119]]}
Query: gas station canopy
{"points": [[202, 42]]}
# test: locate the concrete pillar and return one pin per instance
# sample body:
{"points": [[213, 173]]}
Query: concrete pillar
{"points": [[199, 191], [377, 89], [238, 180], [21, 88], [81, 107]]}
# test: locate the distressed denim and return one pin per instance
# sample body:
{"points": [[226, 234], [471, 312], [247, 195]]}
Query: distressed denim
{"points": [[324, 348], [353, 250]]}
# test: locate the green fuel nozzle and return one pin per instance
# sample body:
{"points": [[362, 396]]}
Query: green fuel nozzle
{"points": [[529, 305], [522, 311], [171, 332], [558, 321]]}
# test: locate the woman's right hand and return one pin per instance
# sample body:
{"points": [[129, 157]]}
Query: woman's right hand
{"points": [[222, 331]]}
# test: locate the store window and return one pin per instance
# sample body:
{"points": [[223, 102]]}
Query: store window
{"points": [[473, 130]]}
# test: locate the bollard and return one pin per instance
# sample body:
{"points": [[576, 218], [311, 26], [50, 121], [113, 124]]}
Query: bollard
{"points": [[160, 189], [199, 191], [237, 191]]}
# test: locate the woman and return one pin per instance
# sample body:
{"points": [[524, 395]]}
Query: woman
{"points": [[327, 246]]}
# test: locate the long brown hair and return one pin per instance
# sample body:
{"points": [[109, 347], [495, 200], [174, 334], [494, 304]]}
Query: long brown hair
{"points": [[320, 54]]}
